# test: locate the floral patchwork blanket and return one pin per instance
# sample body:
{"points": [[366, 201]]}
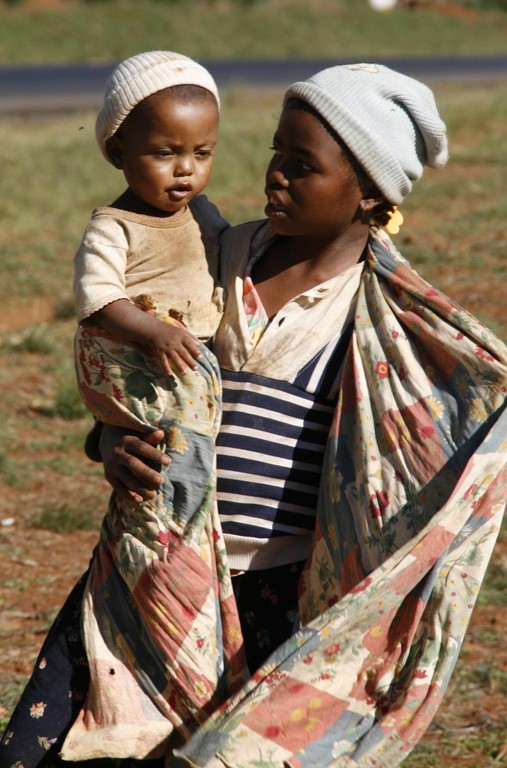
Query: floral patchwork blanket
{"points": [[411, 502], [159, 622]]}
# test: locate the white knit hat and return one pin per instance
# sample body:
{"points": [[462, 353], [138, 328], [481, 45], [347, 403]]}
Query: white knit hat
{"points": [[389, 122], [139, 77]]}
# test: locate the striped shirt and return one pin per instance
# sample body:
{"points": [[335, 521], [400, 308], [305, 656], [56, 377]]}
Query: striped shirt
{"points": [[270, 447], [279, 396]]}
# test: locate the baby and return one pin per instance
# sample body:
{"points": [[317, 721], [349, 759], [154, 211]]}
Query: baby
{"points": [[146, 267], [147, 299]]}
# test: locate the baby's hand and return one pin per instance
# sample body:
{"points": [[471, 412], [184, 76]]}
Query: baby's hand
{"points": [[174, 346]]}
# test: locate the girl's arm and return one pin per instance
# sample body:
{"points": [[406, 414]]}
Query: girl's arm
{"points": [[132, 462]]}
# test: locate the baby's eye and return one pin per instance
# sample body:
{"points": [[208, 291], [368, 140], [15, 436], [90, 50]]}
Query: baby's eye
{"points": [[275, 150], [164, 153], [203, 153]]}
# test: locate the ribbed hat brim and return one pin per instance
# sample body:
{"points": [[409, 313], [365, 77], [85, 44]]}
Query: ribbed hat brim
{"points": [[388, 121], [140, 76]]}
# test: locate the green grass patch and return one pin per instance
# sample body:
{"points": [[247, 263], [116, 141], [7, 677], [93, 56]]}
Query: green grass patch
{"points": [[11, 691], [494, 590], [38, 339], [465, 744], [8, 471], [114, 29], [67, 404], [66, 517]]}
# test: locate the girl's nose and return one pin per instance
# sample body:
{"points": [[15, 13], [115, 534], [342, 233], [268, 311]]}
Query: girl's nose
{"points": [[276, 178]]}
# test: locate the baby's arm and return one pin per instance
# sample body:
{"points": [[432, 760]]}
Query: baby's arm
{"points": [[171, 343]]}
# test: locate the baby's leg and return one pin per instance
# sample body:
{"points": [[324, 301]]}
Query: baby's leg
{"points": [[159, 599], [119, 383]]}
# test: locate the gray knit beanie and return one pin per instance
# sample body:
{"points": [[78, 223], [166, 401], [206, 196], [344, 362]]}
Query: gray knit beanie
{"points": [[139, 77], [389, 122]]}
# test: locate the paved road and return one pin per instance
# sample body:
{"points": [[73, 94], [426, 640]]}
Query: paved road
{"points": [[69, 86]]}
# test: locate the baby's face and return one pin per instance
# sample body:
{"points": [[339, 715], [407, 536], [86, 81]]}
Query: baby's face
{"points": [[165, 149]]}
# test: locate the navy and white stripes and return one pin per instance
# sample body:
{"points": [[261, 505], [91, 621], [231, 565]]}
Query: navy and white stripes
{"points": [[270, 446]]}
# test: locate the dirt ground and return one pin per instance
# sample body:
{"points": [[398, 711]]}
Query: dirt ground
{"points": [[37, 570], [41, 566]]}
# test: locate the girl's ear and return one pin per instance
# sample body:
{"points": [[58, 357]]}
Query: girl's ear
{"points": [[381, 213], [369, 206], [114, 152]]}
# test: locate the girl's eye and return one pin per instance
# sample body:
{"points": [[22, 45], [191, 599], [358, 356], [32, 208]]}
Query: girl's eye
{"points": [[275, 150]]}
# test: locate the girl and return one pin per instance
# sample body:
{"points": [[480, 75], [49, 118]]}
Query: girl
{"points": [[372, 540]]}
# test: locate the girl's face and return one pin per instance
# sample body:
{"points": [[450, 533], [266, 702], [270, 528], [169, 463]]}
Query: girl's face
{"points": [[311, 186], [165, 149]]}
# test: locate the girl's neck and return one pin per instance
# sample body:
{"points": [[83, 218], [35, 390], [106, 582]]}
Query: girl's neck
{"points": [[310, 259], [292, 265]]}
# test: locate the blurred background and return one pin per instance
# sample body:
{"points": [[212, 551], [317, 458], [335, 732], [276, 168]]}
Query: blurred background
{"points": [[455, 233]]}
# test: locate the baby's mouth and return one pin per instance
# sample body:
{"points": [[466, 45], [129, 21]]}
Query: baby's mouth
{"points": [[181, 191]]}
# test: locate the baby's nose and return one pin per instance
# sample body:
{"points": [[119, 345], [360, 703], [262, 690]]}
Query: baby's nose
{"points": [[184, 166]]}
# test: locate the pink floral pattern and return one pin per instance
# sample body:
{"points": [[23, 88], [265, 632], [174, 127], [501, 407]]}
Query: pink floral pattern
{"points": [[160, 624], [408, 515], [411, 503]]}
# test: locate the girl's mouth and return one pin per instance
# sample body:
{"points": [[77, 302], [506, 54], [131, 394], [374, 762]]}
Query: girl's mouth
{"points": [[274, 208]]}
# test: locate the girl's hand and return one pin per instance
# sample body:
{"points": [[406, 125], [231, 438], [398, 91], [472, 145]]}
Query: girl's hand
{"points": [[132, 462], [174, 346]]}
